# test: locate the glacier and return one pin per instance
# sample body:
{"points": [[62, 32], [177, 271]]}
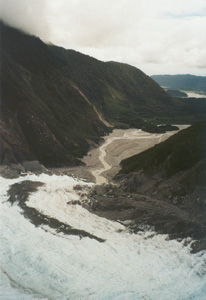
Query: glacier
{"points": [[42, 263]]}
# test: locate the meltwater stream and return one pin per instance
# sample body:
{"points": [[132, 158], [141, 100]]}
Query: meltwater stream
{"points": [[42, 263], [118, 145]]}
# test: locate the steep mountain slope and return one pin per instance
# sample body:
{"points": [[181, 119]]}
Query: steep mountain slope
{"points": [[171, 179], [54, 101], [177, 154], [182, 82], [43, 116], [176, 93], [163, 188], [117, 90]]}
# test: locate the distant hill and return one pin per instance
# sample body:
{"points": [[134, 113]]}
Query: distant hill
{"points": [[182, 82], [176, 93]]}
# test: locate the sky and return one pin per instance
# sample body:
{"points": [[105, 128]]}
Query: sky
{"points": [[156, 36]]}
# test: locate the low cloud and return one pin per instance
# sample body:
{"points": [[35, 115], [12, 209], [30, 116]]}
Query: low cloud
{"points": [[27, 15], [168, 35]]}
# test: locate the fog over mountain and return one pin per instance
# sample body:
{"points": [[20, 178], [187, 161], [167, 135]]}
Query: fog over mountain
{"points": [[159, 37]]}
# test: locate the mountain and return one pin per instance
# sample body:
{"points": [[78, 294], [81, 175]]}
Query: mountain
{"points": [[57, 103], [43, 116], [182, 82], [177, 154], [176, 93], [171, 178], [117, 90], [54, 102], [58, 239]]}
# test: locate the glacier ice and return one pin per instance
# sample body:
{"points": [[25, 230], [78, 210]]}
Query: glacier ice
{"points": [[39, 263]]}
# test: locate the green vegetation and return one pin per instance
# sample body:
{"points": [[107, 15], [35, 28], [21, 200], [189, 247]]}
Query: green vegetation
{"points": [[182, 82], [43, 116], [176, 93], [179, 153], [117, 90], [49, 94]]}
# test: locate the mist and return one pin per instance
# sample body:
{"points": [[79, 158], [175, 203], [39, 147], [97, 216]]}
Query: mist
{"points": [[157, 37], [28, 16]]}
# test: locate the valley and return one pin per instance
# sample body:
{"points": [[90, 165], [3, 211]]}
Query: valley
{"points": [[103, 163], [56, 104], [98, 201]]}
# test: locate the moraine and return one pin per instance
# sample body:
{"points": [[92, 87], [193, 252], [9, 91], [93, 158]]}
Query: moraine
{"points": [[103, 260]]}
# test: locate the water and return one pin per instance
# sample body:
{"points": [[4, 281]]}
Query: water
{"points": [[39, 263], [118, 145], [195, 95]]}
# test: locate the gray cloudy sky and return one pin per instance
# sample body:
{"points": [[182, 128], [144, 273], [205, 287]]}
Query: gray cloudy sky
{"points": [[157, 36]]}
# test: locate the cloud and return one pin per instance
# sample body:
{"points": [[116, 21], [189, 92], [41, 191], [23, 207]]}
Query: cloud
{"points": [[170, 35], [27, 15]]}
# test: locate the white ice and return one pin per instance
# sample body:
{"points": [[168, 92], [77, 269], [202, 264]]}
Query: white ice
{"points": [[40, 264]]}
